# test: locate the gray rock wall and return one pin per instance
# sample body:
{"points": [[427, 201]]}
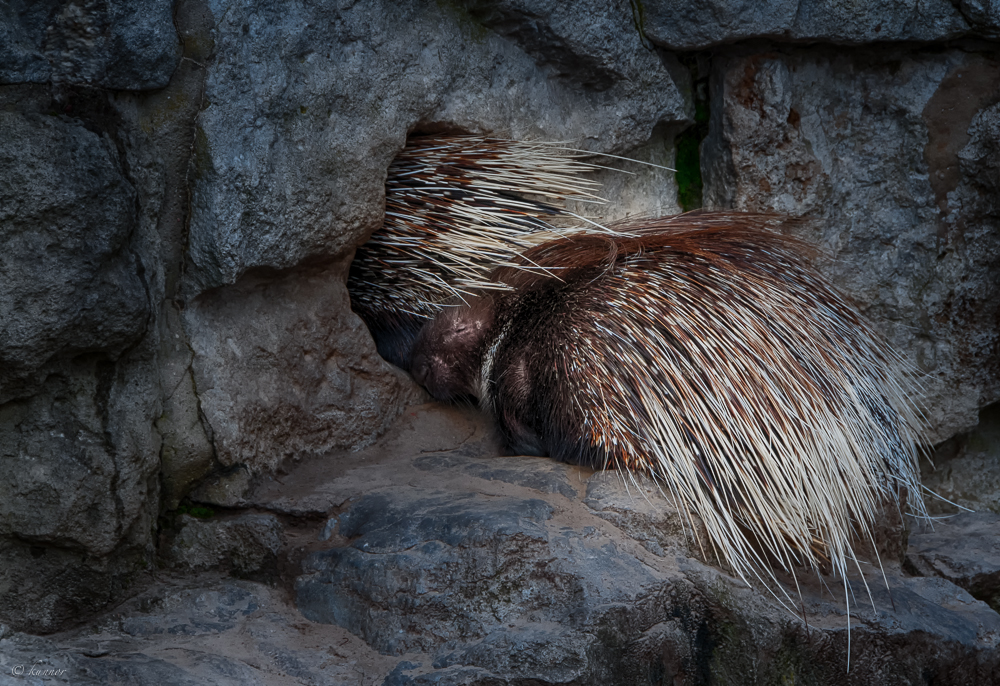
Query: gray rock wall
{"points": [[117, 44], [689, 26], [182, 185]]}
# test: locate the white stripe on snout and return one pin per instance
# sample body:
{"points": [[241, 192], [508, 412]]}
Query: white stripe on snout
{"points": [[489, 360]]}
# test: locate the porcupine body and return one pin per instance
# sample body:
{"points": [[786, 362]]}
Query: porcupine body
{"points": [[457, 207], [705, 352]]}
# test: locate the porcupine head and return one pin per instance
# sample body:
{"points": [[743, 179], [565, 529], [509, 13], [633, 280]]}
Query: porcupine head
{"points": [[455, 352], [448, 352]]}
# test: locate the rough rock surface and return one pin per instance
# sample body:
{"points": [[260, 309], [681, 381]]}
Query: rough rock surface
{"points": [[122, 45], [206, 630], [474, 573], [286, 88], [245, 544], [71, 284], [895, 170], [273, 378], [78, 461], [965, 550], [679, 26], [966, 469]]}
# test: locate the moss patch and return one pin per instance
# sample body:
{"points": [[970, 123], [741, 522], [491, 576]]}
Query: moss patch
{"points": [[639, 20], [688, 143]]}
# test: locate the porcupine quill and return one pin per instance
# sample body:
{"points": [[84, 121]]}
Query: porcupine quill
{"points": [[456, 208], [703, 351]]}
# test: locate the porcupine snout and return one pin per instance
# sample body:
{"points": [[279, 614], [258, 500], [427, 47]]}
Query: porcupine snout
{"points": [[420, 368]]}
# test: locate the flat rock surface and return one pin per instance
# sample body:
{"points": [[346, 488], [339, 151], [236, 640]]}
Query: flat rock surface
{"points": [[201, 630], [427, 559], [965, 550]]}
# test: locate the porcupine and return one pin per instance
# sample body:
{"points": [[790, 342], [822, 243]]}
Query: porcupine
{"points": [[703, 351], [457, 207]]}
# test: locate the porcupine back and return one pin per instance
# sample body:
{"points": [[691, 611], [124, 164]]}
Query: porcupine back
{"points": [[705, 352]]}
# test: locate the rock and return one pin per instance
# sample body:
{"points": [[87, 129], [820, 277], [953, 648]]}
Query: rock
{"points": [[228, 489], [187, 454], [79, 495], [965, 550], [229, 632], [46, 587], [463, 571], [639, 507], [120, 45], [904, 230], [173, 324], [541, 652], [61, 478], [321, 485], [245, 544], [78, 391], [966, 469], [71, 283], [432, 548], [984, 15], [540, 475], [679, 26], [598, 53], [159, 130], [282, 370]]}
